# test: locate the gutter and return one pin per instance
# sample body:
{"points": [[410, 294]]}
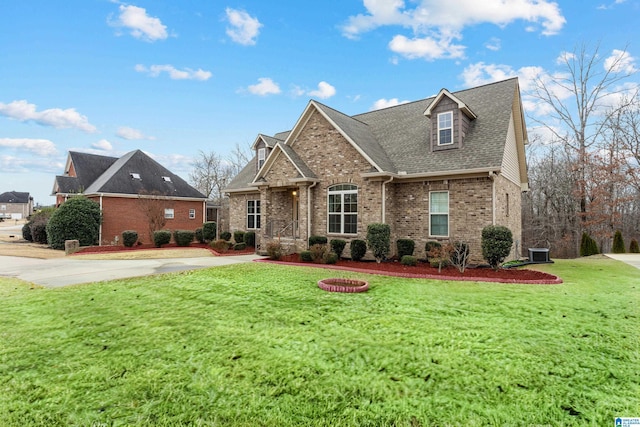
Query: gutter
{"points": [[384, 199], [101, 221]]}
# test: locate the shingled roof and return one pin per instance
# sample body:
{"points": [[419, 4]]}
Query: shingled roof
{"points": [[14, 197]]}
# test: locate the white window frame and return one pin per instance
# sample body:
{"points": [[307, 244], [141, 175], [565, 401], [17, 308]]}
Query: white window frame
{"points": [[262, 155], [442, 128], [169, 213], [342, 190], [192, 214], [253, 211], [433, 211]]}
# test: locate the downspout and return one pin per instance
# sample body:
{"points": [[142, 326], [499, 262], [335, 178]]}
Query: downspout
{"points": [[309, 208], [100, 230], [492, 176], [384, 199]]}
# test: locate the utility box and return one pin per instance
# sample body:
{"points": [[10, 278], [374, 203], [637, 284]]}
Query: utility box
{"points": [[539, 255]]}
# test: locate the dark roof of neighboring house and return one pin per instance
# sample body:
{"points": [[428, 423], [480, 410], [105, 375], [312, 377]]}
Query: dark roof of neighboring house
{"points": [[14, 197]]}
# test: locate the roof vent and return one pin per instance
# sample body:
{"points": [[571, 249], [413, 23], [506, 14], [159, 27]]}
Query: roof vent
{"points": [[166, 178], [135, 175]]}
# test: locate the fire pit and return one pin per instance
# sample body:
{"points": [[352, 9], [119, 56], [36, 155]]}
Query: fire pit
{"points": [[343, 285]]}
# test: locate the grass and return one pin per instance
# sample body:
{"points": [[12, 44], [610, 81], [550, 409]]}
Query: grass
{"points": [[261, 345]]}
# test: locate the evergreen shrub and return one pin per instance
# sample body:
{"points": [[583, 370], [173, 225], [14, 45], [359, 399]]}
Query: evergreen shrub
{"points": [[129, 238], [496, 244], [76, 219], [618, 243], [209, 230], [183, 237], [588, 246], [161, 237], [379, 240], [337, 246], [317, 240], [405, 247], [358, 249]]}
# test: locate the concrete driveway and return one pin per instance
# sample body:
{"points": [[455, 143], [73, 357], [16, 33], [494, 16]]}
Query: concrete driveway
{"points": [[54, 273], [631, 259]]}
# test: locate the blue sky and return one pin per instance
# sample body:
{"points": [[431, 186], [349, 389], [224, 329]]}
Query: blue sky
{"points": [[175, 77]]}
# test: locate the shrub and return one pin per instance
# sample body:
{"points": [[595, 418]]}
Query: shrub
{"points": [[405, 247], [275, 250], [238, 236], [39, 231], [634, 248], [379, 240], [209, 230], [618, 243], [225, 235], [409, 260], [76, 219], [161, 237], [26, 232], [199, 235], [220, 245], [439, 255], [318, 252], [337, 246], [306, 256], [317, 240], [460, 255], [588, 246], [496, 244], [240, 246], [358, 249], [330, 258], [129, 238], [183, 237], [428, 247], [250, 238]]}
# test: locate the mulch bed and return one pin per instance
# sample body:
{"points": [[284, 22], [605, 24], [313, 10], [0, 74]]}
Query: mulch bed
{"points": [[424, 270], [150, 247]]}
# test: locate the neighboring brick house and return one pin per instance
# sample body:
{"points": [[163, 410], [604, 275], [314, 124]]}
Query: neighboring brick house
{"points": [[15, 205], [125, 188], [440, 168]]}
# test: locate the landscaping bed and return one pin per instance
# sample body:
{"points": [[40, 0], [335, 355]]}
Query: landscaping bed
{"points": [[151, 247]]}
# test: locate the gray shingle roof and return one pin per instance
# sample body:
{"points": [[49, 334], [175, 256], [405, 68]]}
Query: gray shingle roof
{"points": [[14, 197], [88, 168]]}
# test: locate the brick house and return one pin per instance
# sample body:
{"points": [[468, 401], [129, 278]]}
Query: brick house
{"points": [[15, 205], [125, 188], [440, 168]]}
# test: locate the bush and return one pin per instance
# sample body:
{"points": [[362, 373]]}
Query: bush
{"points": [[238, 236], [588, 246], [318, 252], [634, 248], [358, 249], [306, 256], [26, 232], [330, 258], [76, 219], [220, 245], [183, 237], [428, 248], [39, 231], [496, 244], [460, 255], [275, 250], [209, 230], [337, 246], [129, 238], [379, 240], [161, 237], [199, 235], [618, 243], [409, 260], [225, 235], [240, 246], [405, 247], [440, 255], [250, 238], [317, 240]]}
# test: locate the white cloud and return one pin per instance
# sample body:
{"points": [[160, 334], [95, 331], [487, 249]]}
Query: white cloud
{"points": [[126, 132], [174, 73], [620, 62], [264, 87], [102, 145], [494, 44], [324, 91], [56, 117], [386, 103], [244, 28], [40, 147], [426, 48], [141, 25]]}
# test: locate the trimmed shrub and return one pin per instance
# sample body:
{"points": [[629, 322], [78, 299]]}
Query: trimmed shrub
{"points": [[588, 246], [317, 240], [275, 250], [330, 258], [225, 235], [240, 246], [337, 246], [250, 238], [358, 249], [183, 237], [39, 231], [379, 240], [428, 248], [618, 243], [26, 232], [460, 255], [161, 237], [220, 245], [238, 236], [318, 252], [409, 260], [199, 235], [306, 256], [634, 248], [405, 247], [76, 219], [129, 238], [209, 230], [496, 244]]}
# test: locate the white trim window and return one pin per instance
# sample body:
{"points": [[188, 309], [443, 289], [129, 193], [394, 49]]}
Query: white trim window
{"points": [[342, 209], [262, 155], [253, 214], [439, 213], [192, 214], [169, 213], [445, 128]]}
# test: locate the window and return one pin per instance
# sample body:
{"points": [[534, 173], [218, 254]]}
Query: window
{"points": [[3, 208], [445, 128], [135, 175], [253, 214], [166, 178], [192, 214], [439, 213], [342, 207], [262, 154], [168, 213]]}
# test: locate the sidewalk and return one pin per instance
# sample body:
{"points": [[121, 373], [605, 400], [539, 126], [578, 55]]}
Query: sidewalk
{"points": [[631, 259]]}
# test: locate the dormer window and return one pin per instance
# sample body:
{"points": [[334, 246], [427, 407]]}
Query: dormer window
{"points": [[262, 154], [135, 175], [445, 128]]}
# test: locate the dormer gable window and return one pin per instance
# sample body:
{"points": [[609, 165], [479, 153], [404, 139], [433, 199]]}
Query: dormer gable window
{"points": [[262, 155], [445, 128]]}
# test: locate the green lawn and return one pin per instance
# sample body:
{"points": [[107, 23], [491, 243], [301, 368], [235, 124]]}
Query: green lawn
{"points": [[260, 344]]}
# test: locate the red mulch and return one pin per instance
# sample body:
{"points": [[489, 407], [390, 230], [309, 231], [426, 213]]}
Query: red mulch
{"points": [[150, 247], [424, 270]]}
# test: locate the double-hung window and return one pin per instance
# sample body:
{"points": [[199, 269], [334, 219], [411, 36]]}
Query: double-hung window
{"points": [[445, 128], [192, 214], [253, 214], [262, 155], [169, 213], [343, 209], [439, 214]]}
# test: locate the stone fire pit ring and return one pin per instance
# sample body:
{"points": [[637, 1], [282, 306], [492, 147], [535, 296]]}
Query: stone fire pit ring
{"points": [[343, 285]]}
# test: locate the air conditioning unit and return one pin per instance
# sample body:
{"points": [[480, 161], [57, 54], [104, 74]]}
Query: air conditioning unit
{"points": [[539, 255]]}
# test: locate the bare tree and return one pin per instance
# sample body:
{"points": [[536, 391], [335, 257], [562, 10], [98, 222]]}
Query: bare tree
{"points": [[210, 174], [153, 205], [239, 157]]}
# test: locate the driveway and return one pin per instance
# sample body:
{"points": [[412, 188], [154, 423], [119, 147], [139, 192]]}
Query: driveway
{"points": [[631, 259]]}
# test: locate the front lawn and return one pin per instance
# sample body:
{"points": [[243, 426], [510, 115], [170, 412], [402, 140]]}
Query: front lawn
{"points": [[261, 344]]}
